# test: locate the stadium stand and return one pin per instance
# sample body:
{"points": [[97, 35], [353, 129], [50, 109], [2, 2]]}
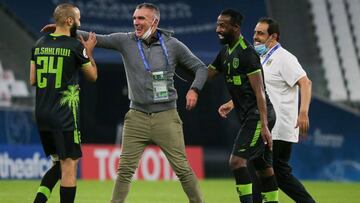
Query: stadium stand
{"points": [[14, 59], [5, 96], [336, 32], [328, 52], [297, 35], [354, 11], [346, 49]]}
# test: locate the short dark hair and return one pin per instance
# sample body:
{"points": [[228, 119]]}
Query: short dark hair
{"points": [[152, 7], [235, 17], [274, 26]]}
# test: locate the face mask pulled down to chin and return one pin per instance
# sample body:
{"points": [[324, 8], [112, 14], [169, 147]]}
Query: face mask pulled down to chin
{"points": [[147, 34], [261, 49]]}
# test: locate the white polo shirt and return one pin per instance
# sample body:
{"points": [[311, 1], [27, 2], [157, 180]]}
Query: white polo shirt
{"points": [[282, 71]]}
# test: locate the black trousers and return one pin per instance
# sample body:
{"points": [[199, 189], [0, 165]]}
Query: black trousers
{"points": [[287, 182]]}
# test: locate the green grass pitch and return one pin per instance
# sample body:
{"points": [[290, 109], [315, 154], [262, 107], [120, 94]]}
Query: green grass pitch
{"points": [[215, 191]]}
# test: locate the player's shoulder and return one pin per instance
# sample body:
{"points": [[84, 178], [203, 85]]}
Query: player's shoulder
{"points": [[68, 40], [245, 47], [43, 39], [61, 39], [249, 51], [73, 41]]}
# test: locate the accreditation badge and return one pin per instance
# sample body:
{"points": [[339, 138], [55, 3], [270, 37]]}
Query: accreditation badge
{"points": [[160, 88]]}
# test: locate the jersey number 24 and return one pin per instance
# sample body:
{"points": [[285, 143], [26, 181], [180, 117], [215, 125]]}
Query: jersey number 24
{"points": [[46, 67]]}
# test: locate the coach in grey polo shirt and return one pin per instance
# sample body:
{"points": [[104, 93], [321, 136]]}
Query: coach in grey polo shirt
{"points": [[150, 56]]}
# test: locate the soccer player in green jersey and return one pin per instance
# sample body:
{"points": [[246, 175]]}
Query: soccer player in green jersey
{"points": [[56, 60], [243, 74]]}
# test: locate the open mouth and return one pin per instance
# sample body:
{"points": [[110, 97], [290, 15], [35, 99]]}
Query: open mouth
{"points": [[221, 36], [138, 31]]}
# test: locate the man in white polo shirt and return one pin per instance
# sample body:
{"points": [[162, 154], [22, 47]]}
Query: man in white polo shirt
{"points": [[284, 76]]}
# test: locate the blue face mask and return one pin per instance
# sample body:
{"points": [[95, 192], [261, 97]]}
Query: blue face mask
{"points": [[260, 49]]}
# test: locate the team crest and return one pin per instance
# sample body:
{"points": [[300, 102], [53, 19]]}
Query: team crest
{"points": [[236, 63], [269, 62]]}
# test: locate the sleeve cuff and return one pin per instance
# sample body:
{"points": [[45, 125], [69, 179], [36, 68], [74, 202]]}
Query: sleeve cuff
{"points": [[258, 70], [195, 89], [212, 67], [85, 64]]}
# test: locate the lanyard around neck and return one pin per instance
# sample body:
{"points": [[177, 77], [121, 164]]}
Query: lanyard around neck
{"points": [[145, 61], [267, 56]]}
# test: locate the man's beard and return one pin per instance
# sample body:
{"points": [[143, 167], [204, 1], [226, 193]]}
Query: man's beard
{"points": [[227, 38], [73, 30]]}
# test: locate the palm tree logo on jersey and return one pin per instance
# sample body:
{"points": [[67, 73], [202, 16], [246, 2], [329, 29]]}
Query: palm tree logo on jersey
{"points": [[71, 99]]}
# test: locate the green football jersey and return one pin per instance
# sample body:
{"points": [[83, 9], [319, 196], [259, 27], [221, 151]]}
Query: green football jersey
{"points": [[58, 59], [237, 64]]}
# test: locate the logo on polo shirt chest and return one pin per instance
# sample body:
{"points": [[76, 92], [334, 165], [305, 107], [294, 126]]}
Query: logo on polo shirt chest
{"points": [[269, 62]]}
